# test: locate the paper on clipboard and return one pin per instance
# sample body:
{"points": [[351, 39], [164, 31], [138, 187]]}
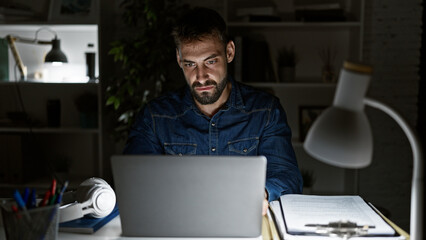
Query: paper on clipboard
{"points": [[309, 208]]}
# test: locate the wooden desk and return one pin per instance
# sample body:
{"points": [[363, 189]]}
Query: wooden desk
{"points": [[112, 231]]}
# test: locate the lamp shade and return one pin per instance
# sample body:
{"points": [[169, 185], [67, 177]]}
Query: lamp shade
{"points": [[56, 55], [341, 136]]}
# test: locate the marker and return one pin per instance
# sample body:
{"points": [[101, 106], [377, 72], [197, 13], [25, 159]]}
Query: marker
{"points": [[32, 203], [45, 199], [26, 195], [53, 187], [52, 199], [15, 210], [21, 204], [59, 198]]}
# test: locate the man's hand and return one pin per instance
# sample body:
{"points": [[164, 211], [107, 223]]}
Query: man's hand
{"points": [[265, 207], [265, 204]]}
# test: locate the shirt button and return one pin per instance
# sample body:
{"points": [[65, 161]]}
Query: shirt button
{"points": [[213, 124], [213, 149]]}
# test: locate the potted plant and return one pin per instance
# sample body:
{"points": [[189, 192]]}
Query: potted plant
{"points": [[147, 59], [328, 57], [286, 61]]}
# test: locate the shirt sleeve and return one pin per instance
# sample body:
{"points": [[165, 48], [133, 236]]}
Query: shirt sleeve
{"points": [[142, 138], [282, 174]]}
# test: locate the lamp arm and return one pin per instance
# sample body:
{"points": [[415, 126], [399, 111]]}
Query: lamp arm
{"points": [[416, 214], [11, 40], [22, 69]]}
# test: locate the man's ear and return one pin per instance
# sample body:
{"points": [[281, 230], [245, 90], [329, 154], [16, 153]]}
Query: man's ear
{"points": [[230, 51], [178, 58]]}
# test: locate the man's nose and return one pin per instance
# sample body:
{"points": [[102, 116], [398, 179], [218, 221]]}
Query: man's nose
{"points": [[201, 73]]}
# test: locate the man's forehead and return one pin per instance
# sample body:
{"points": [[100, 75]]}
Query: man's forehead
{"points": [[203, 47]]}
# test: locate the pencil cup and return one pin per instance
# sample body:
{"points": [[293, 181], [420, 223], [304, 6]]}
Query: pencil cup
{"points": [[37, 223]]}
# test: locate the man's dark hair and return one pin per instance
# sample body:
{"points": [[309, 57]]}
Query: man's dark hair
{"points": [[198, 23]]}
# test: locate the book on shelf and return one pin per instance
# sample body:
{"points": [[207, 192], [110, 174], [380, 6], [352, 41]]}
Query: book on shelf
{"points": [[87, 224], [257, 14], [319, 11], [252, 61], [307, 217], [246, 11]]}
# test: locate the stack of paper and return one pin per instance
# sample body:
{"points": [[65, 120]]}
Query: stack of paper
{"points": [[298, 216]]}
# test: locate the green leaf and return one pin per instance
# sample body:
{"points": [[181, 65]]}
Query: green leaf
{"points": [[110, 100]]}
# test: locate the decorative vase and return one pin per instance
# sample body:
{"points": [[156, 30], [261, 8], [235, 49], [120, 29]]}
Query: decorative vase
{"points": [[328, 74]]}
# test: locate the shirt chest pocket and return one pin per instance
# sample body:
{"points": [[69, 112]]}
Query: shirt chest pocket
{"points": [[246, 146], [180, 148]]}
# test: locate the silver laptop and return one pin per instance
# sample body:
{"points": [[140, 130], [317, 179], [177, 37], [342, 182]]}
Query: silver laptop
{"points": [[190, 196]]}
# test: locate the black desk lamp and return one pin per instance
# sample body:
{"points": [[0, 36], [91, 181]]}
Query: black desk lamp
{"points": [[54, 56]]}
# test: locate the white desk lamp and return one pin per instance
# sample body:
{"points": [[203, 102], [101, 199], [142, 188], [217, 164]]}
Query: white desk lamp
{"points": [[54, 56], [341, 136]]}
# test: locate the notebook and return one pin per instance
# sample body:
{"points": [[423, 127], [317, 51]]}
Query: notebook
{"points": [[190, 196]]}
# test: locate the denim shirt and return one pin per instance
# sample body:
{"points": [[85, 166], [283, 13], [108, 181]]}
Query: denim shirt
{"points": [[251, 122]]}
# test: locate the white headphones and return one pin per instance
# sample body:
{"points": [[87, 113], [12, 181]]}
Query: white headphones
{"points": [[94, 197]]}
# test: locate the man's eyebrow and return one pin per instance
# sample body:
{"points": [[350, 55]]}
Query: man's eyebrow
{"points": [[186, 60], [207, 58], [211, 56]]}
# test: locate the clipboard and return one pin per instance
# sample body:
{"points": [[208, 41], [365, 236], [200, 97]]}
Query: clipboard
{"points": [[331, 230]]}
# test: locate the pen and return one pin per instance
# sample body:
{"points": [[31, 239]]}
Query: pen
{"points": [[26, 195], [53, 187], [15, 210], [61, 193], [33, 201], [45, 199], [52, 199], [21, 204]]}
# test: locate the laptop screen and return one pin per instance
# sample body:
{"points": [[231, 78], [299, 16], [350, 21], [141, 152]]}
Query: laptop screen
{"points": [[189, 196]]}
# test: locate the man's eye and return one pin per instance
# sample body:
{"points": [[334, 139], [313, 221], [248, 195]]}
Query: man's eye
{"points": [[189, 64], [211, 61]]}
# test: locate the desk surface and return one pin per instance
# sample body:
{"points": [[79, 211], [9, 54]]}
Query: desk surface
{"points": [[111, 231]]}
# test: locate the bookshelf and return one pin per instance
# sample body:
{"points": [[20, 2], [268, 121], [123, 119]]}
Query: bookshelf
{"points": [[32, 149], [343, 38]]}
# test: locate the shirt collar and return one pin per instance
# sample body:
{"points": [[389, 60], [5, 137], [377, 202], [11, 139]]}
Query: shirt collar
{"points": [[235, 98]]}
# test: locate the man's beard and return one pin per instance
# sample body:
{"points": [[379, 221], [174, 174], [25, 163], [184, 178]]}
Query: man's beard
{"points": [[205, 98]]}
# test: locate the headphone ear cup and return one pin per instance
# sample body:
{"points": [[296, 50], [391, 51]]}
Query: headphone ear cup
{"points": [[85, 189], [103, 202], [97, 196]]}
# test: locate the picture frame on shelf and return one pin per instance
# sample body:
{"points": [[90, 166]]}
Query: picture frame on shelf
{"points": [[74, 11], [307, 115]]}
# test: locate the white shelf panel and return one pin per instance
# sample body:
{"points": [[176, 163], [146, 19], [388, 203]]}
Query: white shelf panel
{"points": [[68, 130], [33, 83]]}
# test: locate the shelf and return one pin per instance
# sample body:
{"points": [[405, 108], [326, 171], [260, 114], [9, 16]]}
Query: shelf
{"points": [[69, 130], [33, 83], [291, 85], [294, 24]]}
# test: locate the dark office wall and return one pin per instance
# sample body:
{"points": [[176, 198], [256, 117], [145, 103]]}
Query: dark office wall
{"points": [[392, 43], [421, 127]]}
